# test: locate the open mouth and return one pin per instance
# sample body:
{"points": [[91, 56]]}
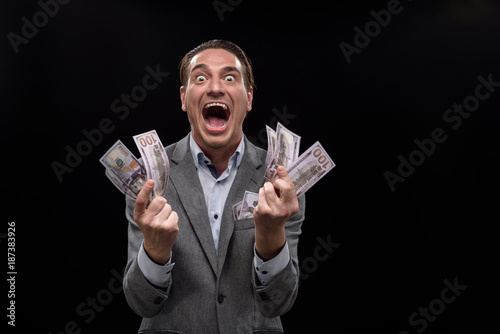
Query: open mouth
{"points": [[216, 115]]}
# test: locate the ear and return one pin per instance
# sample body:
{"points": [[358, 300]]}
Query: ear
{"points": [[183, 98], [249, 99]]}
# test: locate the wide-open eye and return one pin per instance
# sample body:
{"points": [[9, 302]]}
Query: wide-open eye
{"points": [[200, 78], [230, 78]]}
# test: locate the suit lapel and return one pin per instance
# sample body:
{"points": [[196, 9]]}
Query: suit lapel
{"points": [[185, 179], [249, 177]]}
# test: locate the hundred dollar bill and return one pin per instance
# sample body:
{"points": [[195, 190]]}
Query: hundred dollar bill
{"points": [[120, 185], [125, 168], [250, 201], [155, 160], [237, 210], [285, 152], [309, 168], [271, 144]]}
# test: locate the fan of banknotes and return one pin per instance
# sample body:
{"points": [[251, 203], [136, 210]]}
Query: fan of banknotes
{"points": [[128, 174], [283, 150]]}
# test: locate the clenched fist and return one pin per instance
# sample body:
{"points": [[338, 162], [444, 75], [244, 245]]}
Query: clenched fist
{"points": [[158, 223], [277, 203]]}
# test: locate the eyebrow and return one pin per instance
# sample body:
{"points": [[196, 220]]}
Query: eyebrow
{"points": [[202, 66], [224, 69]]}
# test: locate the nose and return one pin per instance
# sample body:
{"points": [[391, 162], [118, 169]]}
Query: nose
{"points": [[215, 87]]}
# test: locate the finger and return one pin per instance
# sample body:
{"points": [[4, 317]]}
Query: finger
{"points": [[165, 212], [284, 184], [284, 190], [283, 175], [173, 220], [270, 194], [262, 206], [142, 198], [156, 205]]}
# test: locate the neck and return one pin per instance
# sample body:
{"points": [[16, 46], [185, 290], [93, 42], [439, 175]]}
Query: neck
{"points": [[219, 156]]}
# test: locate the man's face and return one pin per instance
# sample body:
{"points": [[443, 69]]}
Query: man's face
{"points": [[216, 99]]}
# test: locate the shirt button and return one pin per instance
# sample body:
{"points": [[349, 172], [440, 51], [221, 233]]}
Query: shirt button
{"points": [[220, 298], [216, 216]]}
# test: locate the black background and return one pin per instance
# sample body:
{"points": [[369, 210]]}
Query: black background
{"points": [[396, 248]]}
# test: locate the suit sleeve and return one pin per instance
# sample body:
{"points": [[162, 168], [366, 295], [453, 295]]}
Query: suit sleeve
{"points": [[143, 297], [278, 296]]}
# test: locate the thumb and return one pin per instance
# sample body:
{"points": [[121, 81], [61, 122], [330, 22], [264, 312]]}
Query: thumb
{"points": [[280, 187], [283, 175], [141, 201]]}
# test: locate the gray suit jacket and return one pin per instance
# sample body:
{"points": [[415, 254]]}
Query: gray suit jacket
{"points": [[212, 293]]}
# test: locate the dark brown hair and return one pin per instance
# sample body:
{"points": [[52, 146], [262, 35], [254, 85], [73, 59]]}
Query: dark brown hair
{"points": [[218, 44]]}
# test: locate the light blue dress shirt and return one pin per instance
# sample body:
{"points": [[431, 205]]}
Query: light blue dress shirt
{"points": [[215, 188]]}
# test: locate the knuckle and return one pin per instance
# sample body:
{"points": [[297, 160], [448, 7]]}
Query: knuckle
{"points": [[140, 201], [140, 219], [147, 222], [264, 211], [269, 189], [159, 200], [173, 218]]}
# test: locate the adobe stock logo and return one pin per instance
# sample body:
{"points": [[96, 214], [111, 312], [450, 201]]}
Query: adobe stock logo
{"points": [[322, 252], [282, 116], [453, 117], [30, 29], [421, 319], [94, 137], [372, 29], [89, 309], [224, 6]]}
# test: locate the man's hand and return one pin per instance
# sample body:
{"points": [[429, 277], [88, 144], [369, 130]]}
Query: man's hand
{"points": [[157, 222], [277, 203]]}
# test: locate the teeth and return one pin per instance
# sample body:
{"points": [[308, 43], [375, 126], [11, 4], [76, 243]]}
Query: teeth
{"points": [[216, 104], [213, 127]]}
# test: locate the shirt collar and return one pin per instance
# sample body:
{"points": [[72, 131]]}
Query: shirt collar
{"points": [[199, 157]]}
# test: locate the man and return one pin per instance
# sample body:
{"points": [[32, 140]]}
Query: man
{"points": [[191, 267]]}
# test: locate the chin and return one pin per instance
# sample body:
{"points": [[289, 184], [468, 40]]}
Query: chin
{"points": [[218, 140]]}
